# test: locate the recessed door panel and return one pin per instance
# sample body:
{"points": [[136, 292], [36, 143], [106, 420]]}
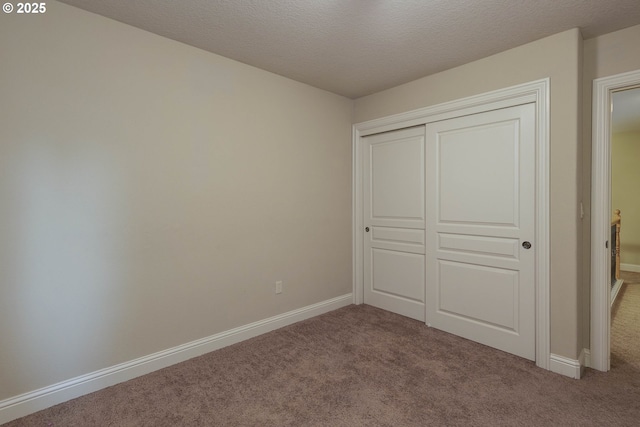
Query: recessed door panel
{"points": [[480, 245], [397, 178], [478, 293], [396, 273], [406, 236], [478, 181]]}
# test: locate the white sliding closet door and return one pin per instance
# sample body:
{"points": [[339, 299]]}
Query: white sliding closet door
{"points": [[394, 221], [480, 222]]}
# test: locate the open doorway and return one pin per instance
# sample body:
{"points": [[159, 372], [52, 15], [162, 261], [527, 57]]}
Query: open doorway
{"points": [[604, 90], [625, 180], [625, 174]]}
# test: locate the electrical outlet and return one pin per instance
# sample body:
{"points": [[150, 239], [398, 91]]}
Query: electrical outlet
{"points": [[279, 287]]}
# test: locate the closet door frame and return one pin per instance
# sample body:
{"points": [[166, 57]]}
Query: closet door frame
{"points": [[536, 92]]}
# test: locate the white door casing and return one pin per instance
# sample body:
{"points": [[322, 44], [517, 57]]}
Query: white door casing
{"points": [[393, 182], [601, 214], [536, 92], [481, 228]]}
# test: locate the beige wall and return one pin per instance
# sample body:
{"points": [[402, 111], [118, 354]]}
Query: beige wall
{"points": [[152, 193], [625, 180], [556, 57], [604, 56]]}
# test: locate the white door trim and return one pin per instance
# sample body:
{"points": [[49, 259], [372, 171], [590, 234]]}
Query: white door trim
{"points": [[536, 92], [601, 213]]}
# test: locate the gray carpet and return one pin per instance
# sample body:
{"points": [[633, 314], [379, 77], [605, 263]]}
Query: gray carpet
{"points": [[625, 323], [358, 366]]}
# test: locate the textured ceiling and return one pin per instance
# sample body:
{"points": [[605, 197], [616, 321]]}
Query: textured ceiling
{"points": [[358, 47]]}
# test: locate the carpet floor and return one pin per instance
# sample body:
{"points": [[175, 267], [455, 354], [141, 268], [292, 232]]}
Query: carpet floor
{"points": [[361, 366], [625, 323]]}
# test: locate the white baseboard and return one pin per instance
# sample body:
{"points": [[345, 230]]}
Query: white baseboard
{"points": [[585, 358], [615, 289], [564, 366], [630, 267], [28, 403]]}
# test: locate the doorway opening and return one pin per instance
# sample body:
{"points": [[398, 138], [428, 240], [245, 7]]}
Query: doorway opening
{"points": [[603, 92]]}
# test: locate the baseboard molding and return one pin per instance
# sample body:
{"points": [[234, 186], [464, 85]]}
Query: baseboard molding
{"points": [[630, 267], [615, 289], [564, 366], [585, 357], [28, 403]]}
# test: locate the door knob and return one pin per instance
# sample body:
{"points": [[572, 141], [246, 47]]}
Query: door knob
{"points": [[366, 229], [526, 245]]}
